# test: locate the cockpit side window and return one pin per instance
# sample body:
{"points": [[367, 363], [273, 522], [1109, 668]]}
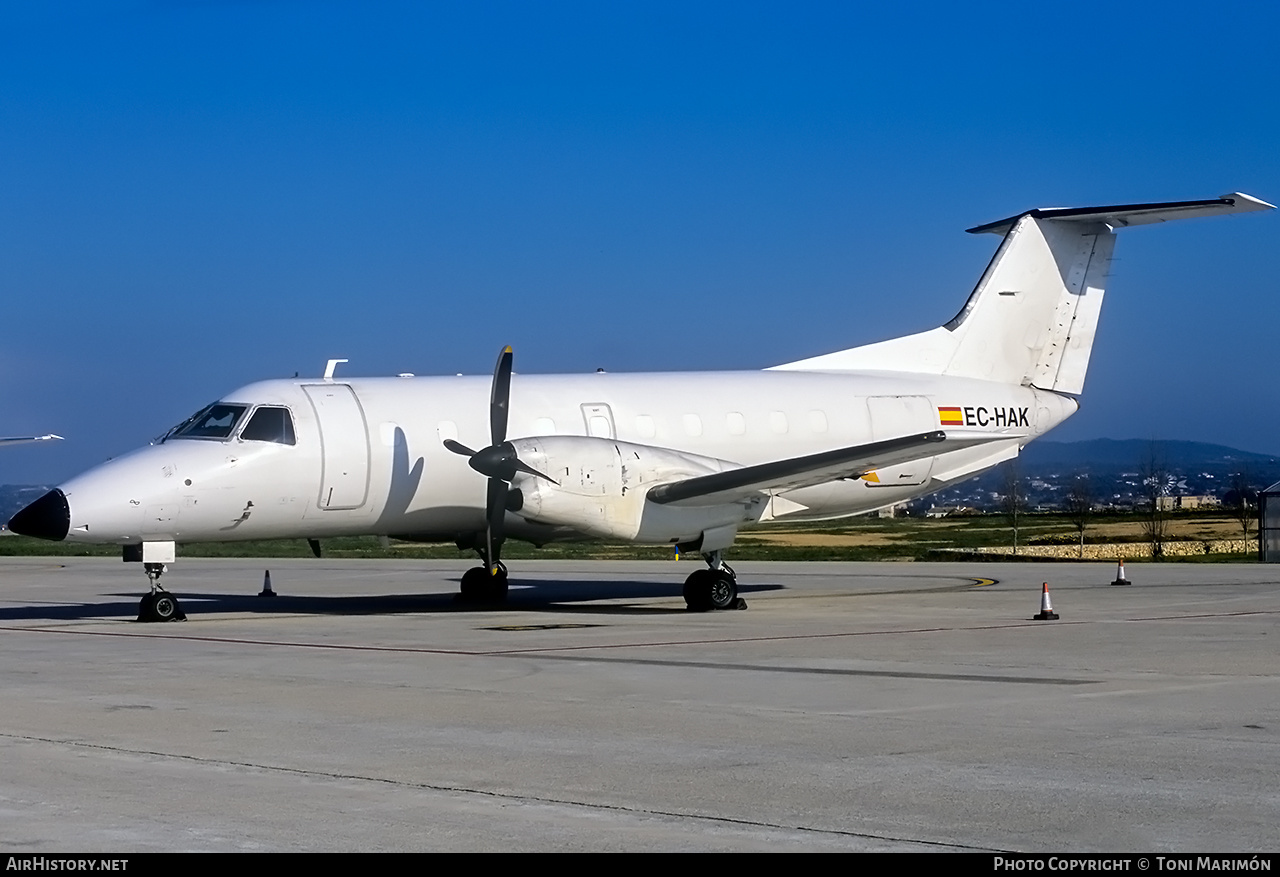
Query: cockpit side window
{"points": [[270, 425], [217, 421]]}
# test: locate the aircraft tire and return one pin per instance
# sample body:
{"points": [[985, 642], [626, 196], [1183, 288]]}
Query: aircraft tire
{"points": [[147, 608], [496, 588], [697, 591], [160, 606], [478, 586], [473, 582], [723, 590]]}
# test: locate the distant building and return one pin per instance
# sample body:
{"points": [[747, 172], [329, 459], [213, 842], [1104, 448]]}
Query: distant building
{"points": [[1269, 524], [950, 511], [1183, 503]]}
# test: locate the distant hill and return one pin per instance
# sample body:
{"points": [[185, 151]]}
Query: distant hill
{"points": [[1116, 471], [15, 496], [1129, 454]]}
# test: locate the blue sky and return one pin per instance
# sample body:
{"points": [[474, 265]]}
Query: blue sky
{"points": [[196, 195]]}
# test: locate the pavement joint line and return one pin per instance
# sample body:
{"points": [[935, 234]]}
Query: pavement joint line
{"points": [[500, 652], [631, 645], [490, 793], [832, 671]]}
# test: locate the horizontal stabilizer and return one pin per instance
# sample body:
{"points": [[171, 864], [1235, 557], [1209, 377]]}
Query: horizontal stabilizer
{"points": [[1125, 215], [27, 439]]}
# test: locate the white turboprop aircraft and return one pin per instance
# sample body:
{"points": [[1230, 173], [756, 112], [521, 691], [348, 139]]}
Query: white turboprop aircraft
{"points": [[681, 459]]}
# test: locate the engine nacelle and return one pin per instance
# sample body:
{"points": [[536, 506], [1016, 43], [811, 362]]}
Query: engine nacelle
{"points": [[603, 485]]}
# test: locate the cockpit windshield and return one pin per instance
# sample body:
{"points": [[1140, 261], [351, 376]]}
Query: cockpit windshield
{"points": [[269, 424], [217, 421]]}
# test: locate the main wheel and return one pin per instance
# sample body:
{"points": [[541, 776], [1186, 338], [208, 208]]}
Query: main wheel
{"points": [[478, 586], [496, 588], [473, 582], [723, 592], [697, 590]]}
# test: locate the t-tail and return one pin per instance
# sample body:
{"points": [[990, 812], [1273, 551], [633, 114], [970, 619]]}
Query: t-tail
{"points": [[1032, 317]]}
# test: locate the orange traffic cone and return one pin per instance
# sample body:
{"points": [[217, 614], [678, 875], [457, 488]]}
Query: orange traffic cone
{"points": [[1046, 612], [266, 585], [1120, 579]]}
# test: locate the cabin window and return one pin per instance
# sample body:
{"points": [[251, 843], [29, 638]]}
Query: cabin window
{"points": [[217, 421], [544, 426], [818, 421], [270, 424], [778, 422], [736, 423], [645, 427], [692, 425]]}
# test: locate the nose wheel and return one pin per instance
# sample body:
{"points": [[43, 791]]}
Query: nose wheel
{"points": [[713, 588], [159, 605]]}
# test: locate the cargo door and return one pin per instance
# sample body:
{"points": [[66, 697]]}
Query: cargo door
{"points": [[895, 417]]}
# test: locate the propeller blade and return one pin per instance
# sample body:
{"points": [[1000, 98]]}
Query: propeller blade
{"points": [[459, 448], [499, 397], [499, 462], [495, 511], [526, 468]]}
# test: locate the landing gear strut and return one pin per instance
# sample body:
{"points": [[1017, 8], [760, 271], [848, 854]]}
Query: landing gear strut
{"points": [[159, 605], [712, 588]]}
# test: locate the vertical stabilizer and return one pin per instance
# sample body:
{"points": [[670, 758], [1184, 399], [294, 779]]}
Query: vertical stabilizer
{"points": [[1032, 318]]}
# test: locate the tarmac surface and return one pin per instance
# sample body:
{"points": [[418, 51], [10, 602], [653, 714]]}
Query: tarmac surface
{"points": [[852, 707]]}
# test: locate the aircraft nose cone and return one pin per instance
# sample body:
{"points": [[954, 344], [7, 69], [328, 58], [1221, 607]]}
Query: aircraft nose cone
{"points": [[49, 517]]}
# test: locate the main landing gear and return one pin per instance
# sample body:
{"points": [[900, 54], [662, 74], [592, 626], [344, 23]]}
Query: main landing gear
{"points": [[159, 605], [481, 586], [712, 588]]}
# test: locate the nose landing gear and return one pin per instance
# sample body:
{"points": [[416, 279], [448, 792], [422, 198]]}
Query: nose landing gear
{"points": [[159, 605]]}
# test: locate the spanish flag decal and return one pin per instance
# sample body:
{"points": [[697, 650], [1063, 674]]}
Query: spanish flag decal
{"points": [[950, 417]]}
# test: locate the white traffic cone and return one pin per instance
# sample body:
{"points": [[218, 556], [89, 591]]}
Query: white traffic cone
{"points": [[1120, 579], [1046, 612], [266, 585]]}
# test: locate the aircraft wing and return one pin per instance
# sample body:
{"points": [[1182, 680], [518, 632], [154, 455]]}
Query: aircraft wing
{"points": [[25, 439], [850, 462]]}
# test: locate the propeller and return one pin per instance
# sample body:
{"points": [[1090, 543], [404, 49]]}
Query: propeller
{"points": [[499, 462]]}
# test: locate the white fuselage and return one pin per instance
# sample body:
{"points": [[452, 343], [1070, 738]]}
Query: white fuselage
{"points": [[369, 459]]}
